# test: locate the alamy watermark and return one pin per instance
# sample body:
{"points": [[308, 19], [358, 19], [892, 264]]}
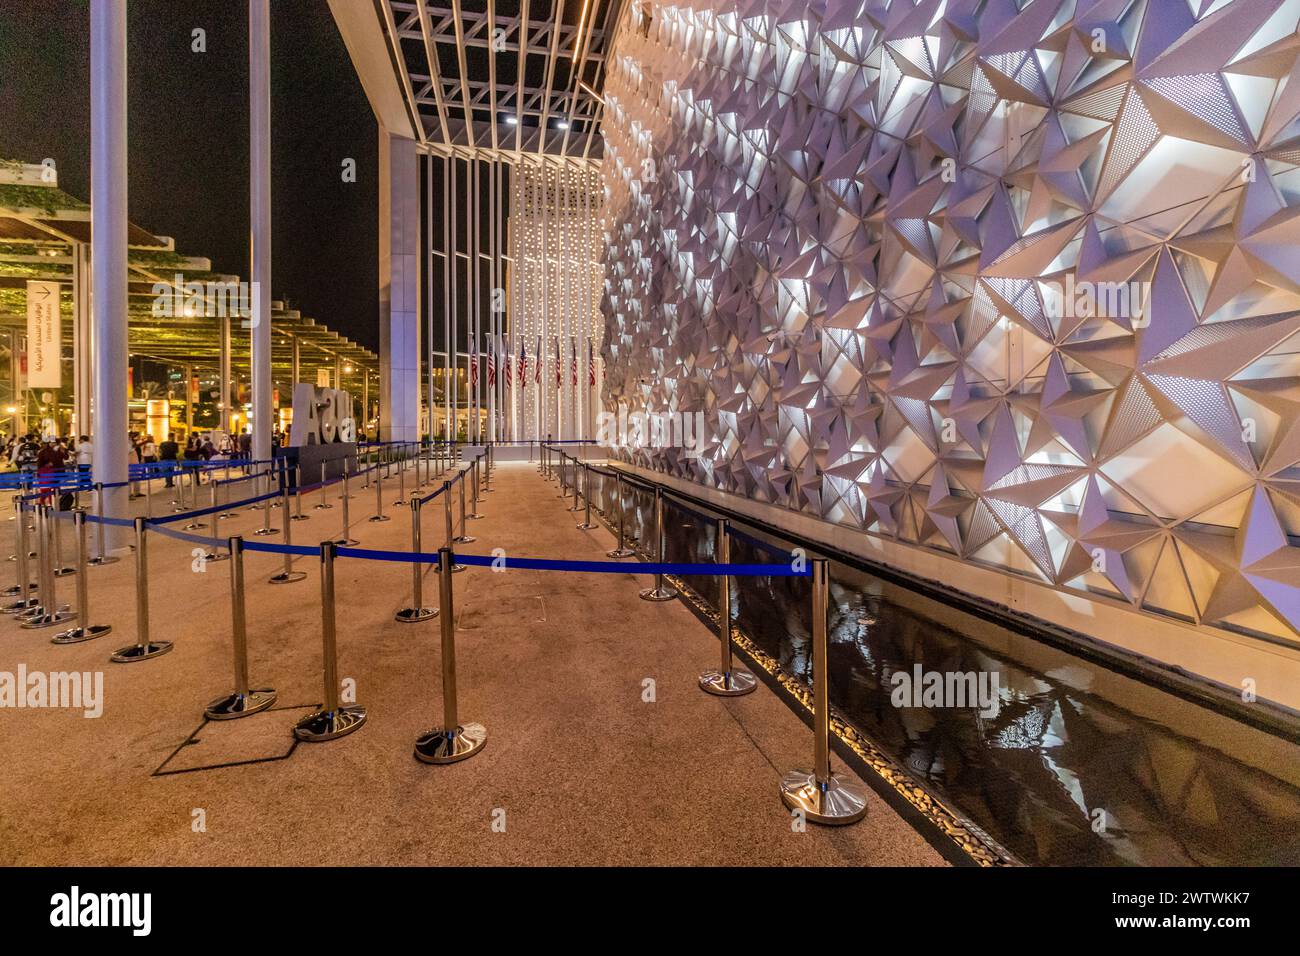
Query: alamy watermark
{"points": [[684, 430], [959, 689], [74, 690], [210, 300], [1102, 300]]}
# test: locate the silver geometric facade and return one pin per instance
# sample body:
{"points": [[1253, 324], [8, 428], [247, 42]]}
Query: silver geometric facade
{"points": [[1019, 283]]}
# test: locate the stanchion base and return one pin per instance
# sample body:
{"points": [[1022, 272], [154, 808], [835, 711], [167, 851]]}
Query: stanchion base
{"points": [[101, 561], [587, 526], [449, 746], [574, 509], [14, 590], [413, 615], [240, 705], [22, 607], [733, 684], [464, 538], [227, 515], [620, 553], [657, 594], [399, 503], [266, 531], [346, 542], [326, 725], [46, 619], [64, 572], [75, 635], [474, 517], [380, 518], [321, 507], [286, 577], [301, 518], [140, 652], [193, 526], [834, 802], [457, 568]]}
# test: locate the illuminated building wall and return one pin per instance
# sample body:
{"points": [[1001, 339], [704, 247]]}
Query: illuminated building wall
{"points": [[554, 298], [1019, 287]]}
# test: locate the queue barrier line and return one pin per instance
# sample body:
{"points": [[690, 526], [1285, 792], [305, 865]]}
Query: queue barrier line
{"points": [[267, 547], [183, 536], [200, 512], [590, 567]]}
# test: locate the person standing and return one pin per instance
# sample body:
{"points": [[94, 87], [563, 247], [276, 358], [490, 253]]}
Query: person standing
{"points": [[168, 452]]}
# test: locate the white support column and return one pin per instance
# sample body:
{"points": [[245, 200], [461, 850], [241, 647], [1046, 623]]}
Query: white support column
{"points": [[82, 339], [108, 224], [399, 288], [259, 195]]}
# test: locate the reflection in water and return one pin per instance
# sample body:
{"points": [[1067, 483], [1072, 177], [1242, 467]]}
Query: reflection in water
{"points": [[1075, 765]]}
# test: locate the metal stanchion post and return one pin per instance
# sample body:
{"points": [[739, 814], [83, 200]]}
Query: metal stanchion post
{"points": [[822, 796], [216, 554], [297, 500], [47, 612], [574, 474], [322, 504], [343, 540], [473, 512], [59, 570], [21, 587], [194, 525], [417, 611], [622, 551], [451, 535], [379, 497], [83, 631], [587, 524], [728, 680], [333, 720], [660, 592], [243, 701], [287, 574], [102, 556], [487, 475], [143, 648], [452, 741], [463, 537], [401, 484], [266, 516]]}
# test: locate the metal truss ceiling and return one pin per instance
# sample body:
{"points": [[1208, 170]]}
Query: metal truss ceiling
{"points": [[475, 80]]}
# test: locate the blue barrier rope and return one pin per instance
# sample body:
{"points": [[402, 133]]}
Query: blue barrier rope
{"points": [[184, 536], [593, 567], [200, 512]]}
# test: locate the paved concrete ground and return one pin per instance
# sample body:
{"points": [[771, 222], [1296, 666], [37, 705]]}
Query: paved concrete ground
{"points": [[579, 766]]}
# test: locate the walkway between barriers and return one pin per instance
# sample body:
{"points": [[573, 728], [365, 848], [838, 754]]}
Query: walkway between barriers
{"points": [[601, 746]]}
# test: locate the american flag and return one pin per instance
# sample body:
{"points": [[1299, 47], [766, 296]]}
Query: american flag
{"points": [[492, 364], [473, 369], [523, 364], [573, 361], [591, 362], [537, 362], [559, 363], [510, 368]]}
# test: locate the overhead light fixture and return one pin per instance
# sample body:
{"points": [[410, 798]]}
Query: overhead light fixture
{"points": [[512, 120], [582, 22], [562, 124]]}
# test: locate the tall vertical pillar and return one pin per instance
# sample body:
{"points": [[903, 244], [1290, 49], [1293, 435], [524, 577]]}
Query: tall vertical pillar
{"points": [[399, 288], [224, 373], [82, 364], [108, 225], [259, 191]]}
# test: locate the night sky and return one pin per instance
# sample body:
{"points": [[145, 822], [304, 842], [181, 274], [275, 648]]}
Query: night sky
{"points": [[188, 138]]}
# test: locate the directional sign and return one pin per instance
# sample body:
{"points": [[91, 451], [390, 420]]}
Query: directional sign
{"points": [[44, 336]]}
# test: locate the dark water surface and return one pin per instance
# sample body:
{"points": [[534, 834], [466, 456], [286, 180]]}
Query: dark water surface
{"points": [[1074, 764]]}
